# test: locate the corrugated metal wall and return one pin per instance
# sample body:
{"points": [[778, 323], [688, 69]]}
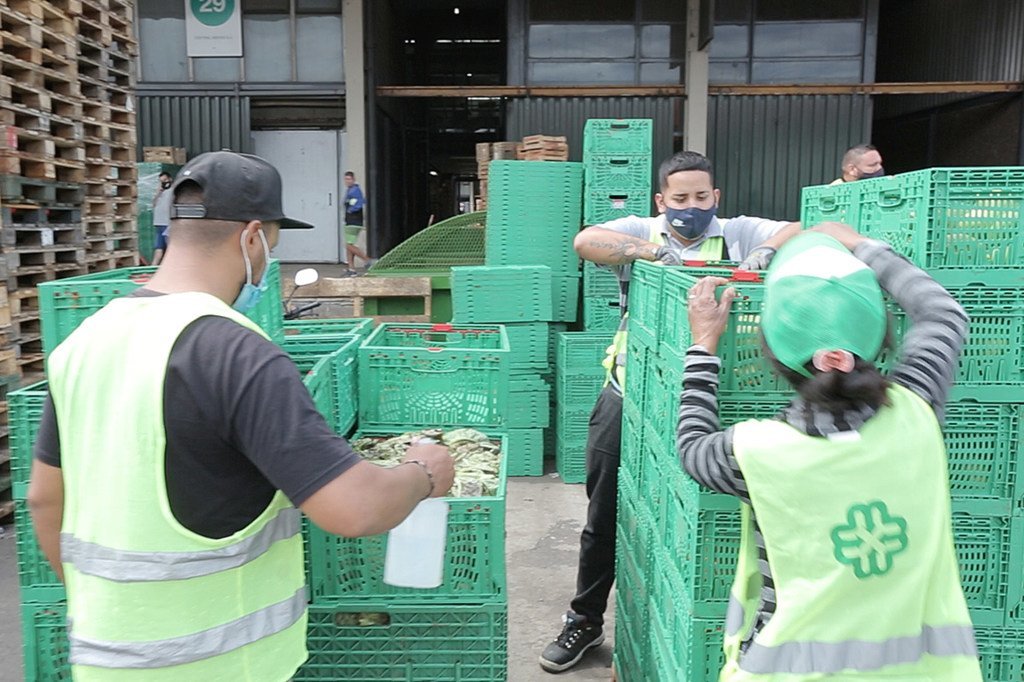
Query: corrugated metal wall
{"points": [[765, 148], [567, 116], [199, 124], [948, 40]]}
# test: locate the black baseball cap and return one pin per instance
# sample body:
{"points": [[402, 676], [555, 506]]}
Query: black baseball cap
{"points": [[238, 187]]}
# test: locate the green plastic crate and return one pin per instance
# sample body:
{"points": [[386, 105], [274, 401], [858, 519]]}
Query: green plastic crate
{"points": [[37, 580], [65, 303], [645, 301], [571, 459], [990, 551], [985, 446], [434, 375], [355, 640], [359, 326], [613, 172], [582, 352], [526, 452], [529, 398], [24, 412], [502, 293], [474, 565], [948, 217], [600, 206], [601, 314], [828, 203], [565, 295], [599, 282], [633, 433], [1001, 652], [45, 643], [618, 136], [683, 647], [528, 346]]}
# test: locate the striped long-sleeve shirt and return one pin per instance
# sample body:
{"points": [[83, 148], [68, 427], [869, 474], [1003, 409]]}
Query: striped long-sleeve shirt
{"points": [[927, 365]]}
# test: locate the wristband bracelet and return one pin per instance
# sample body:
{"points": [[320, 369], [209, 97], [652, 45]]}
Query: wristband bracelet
{"points": [[430, 476]]}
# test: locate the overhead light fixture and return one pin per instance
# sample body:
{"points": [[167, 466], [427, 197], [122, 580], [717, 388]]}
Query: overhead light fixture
{"points": [[469, 75], [456, 10], [433, 172]]}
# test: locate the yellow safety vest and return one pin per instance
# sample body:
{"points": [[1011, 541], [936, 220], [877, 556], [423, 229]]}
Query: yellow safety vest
{"points": [[149, 599], [614, 363], [858, 533]]}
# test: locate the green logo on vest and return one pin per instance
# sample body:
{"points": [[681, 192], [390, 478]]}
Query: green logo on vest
{"points": [[870, 539]]}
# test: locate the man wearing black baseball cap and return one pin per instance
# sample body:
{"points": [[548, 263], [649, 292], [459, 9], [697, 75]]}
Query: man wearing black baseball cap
{"points": [[176, 444]]}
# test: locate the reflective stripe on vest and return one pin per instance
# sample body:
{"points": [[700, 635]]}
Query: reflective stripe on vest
{"points": [[712, 248], [857, 654], [134, 566], [193, 647]]}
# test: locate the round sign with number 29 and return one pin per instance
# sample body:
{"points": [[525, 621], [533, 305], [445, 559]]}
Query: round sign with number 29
{"points": [[213, 12]]}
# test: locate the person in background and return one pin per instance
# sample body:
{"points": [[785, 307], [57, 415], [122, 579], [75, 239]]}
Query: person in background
{"points": [[161, 217], [847, 567], [860, 162], [355, 202], [176, 531], [686, 228]]}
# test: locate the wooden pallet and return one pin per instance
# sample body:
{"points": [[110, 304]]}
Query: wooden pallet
{"points": [[361, 288], [35, 191], [114, 261]]}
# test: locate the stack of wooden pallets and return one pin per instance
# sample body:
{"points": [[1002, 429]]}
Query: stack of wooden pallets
{"points": [[67, 164], [544, 148]]}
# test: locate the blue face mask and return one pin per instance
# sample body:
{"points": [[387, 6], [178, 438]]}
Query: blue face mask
{"points": [[690, 223], [250, 294]]}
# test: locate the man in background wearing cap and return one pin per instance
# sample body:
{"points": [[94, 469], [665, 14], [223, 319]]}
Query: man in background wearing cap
{"points": [[686, 228], [174, 530], [860, 162], [847, 566]]}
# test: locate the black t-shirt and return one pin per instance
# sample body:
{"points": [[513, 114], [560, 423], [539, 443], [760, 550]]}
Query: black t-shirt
{"points": [[240, 425]]}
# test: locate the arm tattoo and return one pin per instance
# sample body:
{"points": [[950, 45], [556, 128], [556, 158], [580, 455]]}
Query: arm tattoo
{"points": [[625, 251]]}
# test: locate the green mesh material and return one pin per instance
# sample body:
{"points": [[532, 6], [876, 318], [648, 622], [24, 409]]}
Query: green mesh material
{"points": [[456, 241]]}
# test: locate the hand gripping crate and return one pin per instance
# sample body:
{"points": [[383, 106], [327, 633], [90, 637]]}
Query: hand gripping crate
{"points": [[433, 376], [474, 563], [380, 640], [64, 303]]}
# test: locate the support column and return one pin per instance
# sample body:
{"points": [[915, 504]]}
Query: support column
{"points": [[695, 108], [355, 103]]}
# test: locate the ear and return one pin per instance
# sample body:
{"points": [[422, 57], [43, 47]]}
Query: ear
{"points": [[659, 201], [251, 232], [718, 197]]}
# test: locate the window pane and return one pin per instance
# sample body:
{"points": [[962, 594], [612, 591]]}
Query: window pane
{"points": [[663, 42], [663, 10], [582, 73], [267, 48], [727, 72], [264, 6], [581, 40], [660, 73], [162, 36], [807, 71], [730, 41], [216, 69], [581, 10], [731, 10], [784, 10], [796, 39], [318, 6], [318, 48]]}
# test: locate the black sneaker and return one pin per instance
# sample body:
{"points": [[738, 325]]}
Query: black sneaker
{"points": [[567, 650]]}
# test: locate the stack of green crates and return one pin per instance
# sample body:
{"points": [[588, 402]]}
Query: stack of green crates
{"points": [[579, 378], [64, 303], [965, 227], [412, 377], [617, 158], [518, 297], [534, 212]]}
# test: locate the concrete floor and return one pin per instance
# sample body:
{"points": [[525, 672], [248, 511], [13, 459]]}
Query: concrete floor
{"points": [[544, 518]]}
